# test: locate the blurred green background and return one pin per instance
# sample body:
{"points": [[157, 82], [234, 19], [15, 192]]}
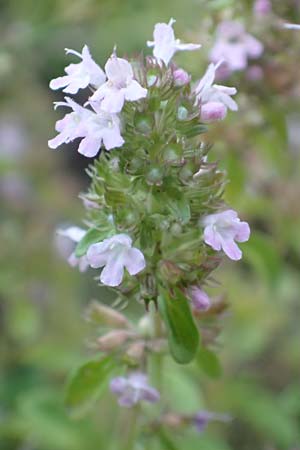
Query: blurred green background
{"points": [[42, 331]]}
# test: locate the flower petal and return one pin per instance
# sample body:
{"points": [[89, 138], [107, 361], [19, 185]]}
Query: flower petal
{"points": [[89, 146], [118, 70], [98, 254], [134, 261], [231, 249], [113, 272], [135, 91]]}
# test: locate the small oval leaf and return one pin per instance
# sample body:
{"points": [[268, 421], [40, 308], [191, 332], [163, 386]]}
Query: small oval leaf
{"points": [[183, 334], [87, 384]]}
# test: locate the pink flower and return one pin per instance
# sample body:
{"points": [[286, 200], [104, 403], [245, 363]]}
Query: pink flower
{"points": [[221, 230], [181, 77], [120, 86], [213, 111], [235, 46], [133, 389], [94, 127], [80, 75], [115, 254], [262, 7], [200, 300], [75, 234], [214, 99], [164, 43]]}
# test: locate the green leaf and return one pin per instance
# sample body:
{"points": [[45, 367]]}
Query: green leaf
{"points": [[183, 334], [91, 237], [87, 384], [209, 363]]}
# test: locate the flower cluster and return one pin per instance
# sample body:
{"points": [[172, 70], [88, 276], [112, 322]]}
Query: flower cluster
{"points": [[156, 220]]}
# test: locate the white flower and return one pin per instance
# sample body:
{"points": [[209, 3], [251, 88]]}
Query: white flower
{"points": [[223, 229], [119, 87], [94, 127], [75, 234], [165, 45], [213, 98], [80, 75], [115, 254]]}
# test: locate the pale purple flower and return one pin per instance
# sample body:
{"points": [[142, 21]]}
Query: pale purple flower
{"points": [[133, 389], [221, 230], [235, 46], [202, 419], [181, 77], [164, 43], [80, 75], [200, 299], [262, 7], [115, 254], [120, 86], [75, 234], [213, 111], [214, 99], [94, 127]]}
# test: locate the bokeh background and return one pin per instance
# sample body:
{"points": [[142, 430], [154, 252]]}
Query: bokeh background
{"points": [[42, 331]]}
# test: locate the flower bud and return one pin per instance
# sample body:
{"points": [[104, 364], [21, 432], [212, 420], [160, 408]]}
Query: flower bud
{"points": [[170, 272], [172, 155], [135, 352], [104, 315], [262, 7], [200, 300], [113, 339], [145, 326], [213, 111], [181, 77], [144, 124], [172, 420], [155, 176]]}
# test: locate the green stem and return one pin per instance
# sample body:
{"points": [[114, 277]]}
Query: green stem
{"points": [[157, 358], [131, 429]]}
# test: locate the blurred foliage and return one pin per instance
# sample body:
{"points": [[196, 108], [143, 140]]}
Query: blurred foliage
{"points": [[42, 333]]}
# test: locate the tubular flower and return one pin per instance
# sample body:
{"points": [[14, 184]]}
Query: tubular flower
{"points": [[79, 75], [115, 254], [133, 389], [94, 127], [119, 87], [164, 43], [75, 234], [214, 99], [235, 46], [223, 229]]}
